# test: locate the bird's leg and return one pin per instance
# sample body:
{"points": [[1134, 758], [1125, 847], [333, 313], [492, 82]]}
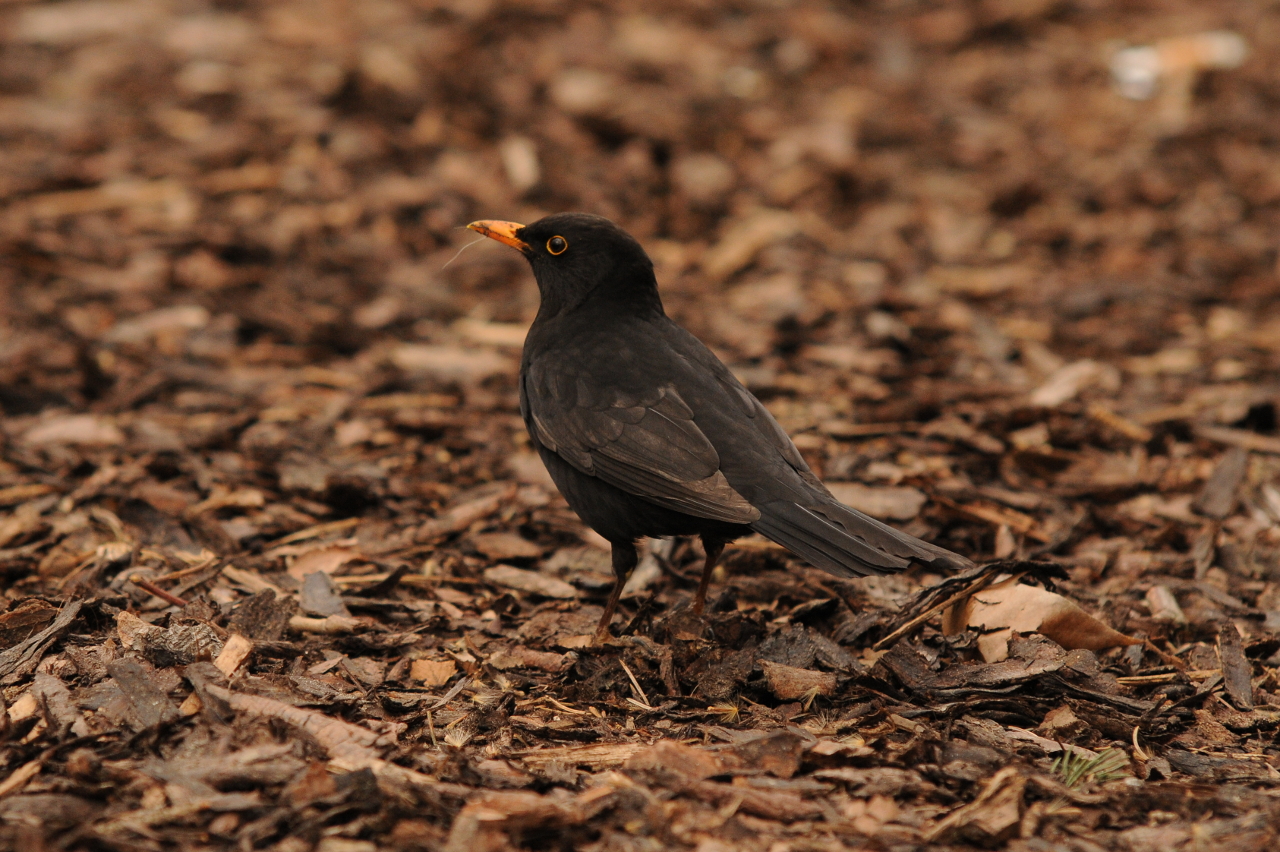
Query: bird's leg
{"points": [[714, 549], [625, 559]]}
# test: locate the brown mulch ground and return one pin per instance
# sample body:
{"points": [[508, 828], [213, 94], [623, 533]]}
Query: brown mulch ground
{"points": [[280, 570]]}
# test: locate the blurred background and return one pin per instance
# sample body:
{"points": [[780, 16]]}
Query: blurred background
{"points": [[1007, 270], [235, 228]]}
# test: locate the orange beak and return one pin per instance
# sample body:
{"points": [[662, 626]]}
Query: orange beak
{"points": [[503, 232]]}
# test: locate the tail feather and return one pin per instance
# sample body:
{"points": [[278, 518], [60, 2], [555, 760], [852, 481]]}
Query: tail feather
{"points": [[845, 542]]}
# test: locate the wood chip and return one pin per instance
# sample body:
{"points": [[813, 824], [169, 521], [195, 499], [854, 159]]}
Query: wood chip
{"points": [[1237, 672], [450, 363], [465, 513], [150, 704], [532, 582], [505, 545], [331, 624], [745, 238], [990, 818], [1218, 496], [21, 659], [997, 516], [789, 683], [1068, 382], [886, 503], [1164, 606], [1123, 425], [1240, 438], [19, 777], [234, 653], [80, 429], [593, 756]]}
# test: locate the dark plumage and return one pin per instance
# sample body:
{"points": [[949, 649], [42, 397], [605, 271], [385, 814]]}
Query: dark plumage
{"points": [[647, 433]]}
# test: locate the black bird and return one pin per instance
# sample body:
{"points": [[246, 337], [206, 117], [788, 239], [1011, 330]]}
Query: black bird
{"points": [[646, 433]]}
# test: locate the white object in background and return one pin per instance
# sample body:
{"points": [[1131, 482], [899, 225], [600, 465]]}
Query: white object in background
{"points": [[1137, 71]]}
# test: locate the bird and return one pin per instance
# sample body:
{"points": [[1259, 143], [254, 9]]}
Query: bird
{"points": [[646, 433]]}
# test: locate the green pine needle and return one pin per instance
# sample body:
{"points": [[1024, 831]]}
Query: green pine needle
{"points": [[1075, 769]]}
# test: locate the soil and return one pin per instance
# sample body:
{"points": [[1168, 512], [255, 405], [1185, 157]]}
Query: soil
{"points": [[280, 570]]}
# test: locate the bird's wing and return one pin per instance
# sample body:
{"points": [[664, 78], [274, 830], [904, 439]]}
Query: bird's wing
{"points": [[818, 527], [647, 445]]}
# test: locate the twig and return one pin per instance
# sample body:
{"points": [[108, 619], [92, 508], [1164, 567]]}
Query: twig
{"points": [[451, 694], [968, 591], [635, 684], [151, 588], [564, 708], [970, 582]]}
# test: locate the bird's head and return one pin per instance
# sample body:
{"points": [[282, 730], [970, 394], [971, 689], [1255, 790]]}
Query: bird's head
{"points": [[578, 257]]}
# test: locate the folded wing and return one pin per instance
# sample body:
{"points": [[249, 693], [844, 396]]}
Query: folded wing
{"points": [[650, 447]]}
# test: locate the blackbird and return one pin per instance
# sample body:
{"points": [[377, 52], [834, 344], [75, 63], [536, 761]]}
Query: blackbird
{"points": [[646, 433]]}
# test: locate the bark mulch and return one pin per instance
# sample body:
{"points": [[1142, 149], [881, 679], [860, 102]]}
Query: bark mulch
{"points": [[280, 570]]}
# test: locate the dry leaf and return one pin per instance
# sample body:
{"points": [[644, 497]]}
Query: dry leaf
{"points": [[433, 673], [323, 559], [1012, 607]]}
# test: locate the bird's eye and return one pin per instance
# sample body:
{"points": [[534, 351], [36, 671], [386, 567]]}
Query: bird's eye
{"points": [[557, 245]]}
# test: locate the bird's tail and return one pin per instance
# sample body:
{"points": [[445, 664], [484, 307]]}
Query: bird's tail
{"points": [[847, 543]]}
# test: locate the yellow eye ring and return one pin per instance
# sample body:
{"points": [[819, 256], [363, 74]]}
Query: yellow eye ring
{"points": [[557, 245]]}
